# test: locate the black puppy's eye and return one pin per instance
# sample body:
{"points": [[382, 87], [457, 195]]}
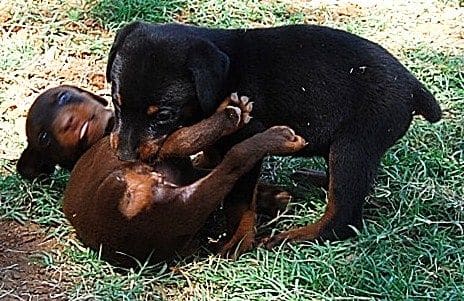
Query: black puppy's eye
{"points": [[64, 98], [163, 116], [44, 139]]}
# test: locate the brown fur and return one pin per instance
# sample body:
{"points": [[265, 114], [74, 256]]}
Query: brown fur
{"points": [[129, 208]]}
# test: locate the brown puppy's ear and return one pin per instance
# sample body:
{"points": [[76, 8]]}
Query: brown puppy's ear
{"points": [[118, 41], [94, 96], [32, 164], [209, 67]]}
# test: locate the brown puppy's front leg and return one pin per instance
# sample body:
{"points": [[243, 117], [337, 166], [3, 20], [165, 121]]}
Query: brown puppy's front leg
{"points": [[193, 139]]}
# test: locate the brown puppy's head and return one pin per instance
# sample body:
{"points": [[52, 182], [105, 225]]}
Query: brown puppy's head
{"points": [[162, 78], [62, 123]]}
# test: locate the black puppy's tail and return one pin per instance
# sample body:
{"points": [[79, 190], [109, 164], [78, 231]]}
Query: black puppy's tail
{"points": [[425, 104]]}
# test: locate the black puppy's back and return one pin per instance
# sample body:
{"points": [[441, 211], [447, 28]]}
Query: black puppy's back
{"points": [[329, 78], [315, 79]]}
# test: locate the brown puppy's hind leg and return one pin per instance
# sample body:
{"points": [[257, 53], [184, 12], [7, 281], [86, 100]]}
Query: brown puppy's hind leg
{"points": [[241, 220], [198, 200]]}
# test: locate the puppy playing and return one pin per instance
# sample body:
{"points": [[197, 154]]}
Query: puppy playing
{"points": [[157, 211], [350, 97]]}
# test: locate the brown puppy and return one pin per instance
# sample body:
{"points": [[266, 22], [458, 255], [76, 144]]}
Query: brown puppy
{"points": [[62, 123], [158, 211]]}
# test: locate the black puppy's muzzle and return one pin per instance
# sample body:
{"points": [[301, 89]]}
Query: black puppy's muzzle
{"points": [[125, 150]]}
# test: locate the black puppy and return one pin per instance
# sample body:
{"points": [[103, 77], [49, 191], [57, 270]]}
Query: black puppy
{"points": [[347, 95]]}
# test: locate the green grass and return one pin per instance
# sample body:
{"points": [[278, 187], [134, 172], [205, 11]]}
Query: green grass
{"points": [[412, 245], [114, 14]]}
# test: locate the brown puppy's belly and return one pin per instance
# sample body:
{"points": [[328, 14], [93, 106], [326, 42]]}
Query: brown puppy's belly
{"points": [[114, 211]]}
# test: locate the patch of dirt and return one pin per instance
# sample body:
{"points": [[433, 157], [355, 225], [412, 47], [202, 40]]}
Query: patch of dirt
{"points": [[22, 276]]}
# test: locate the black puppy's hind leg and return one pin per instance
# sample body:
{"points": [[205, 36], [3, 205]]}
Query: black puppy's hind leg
{"points": [[352, 168]]}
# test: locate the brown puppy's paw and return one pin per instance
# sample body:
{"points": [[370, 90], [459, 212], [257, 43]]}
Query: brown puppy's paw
{"points": [[281, 140], [271, 199], [309, 232], [238, 245], [233, 119], [243, 103]]}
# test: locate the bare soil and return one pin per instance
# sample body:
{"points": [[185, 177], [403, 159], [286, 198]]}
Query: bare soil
{"points": [[22, 275]]}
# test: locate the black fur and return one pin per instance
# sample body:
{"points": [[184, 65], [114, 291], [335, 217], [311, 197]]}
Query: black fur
{"points": [[347, 96]]}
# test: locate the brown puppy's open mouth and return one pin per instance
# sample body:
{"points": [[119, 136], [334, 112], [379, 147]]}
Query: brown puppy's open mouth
{"points": [[84, 129]]}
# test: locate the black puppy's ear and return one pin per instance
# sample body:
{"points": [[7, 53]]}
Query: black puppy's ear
{"points": [[118, 41], [32, 164], [209, 67]]}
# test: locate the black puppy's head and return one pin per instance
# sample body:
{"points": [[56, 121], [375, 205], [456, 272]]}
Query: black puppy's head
{"points": [[62, 123], [163, 77]]}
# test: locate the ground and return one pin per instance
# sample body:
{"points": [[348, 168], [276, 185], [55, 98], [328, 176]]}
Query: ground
{"points": [[24, 274], [412, 245]]}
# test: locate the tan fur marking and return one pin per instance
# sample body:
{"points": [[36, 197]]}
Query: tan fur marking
{"points": [[139, 194], [151, 110], [114, 140]]}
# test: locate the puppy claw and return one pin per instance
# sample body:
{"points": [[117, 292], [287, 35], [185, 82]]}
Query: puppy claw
{"points": [[247, 119], [249, 106], [236, 109], [291, 131], [244, 99], [234, 98]]}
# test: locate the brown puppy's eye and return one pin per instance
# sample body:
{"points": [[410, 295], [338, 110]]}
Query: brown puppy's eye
{"points": [[44, 139], [151, 110], [64, 98]]}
